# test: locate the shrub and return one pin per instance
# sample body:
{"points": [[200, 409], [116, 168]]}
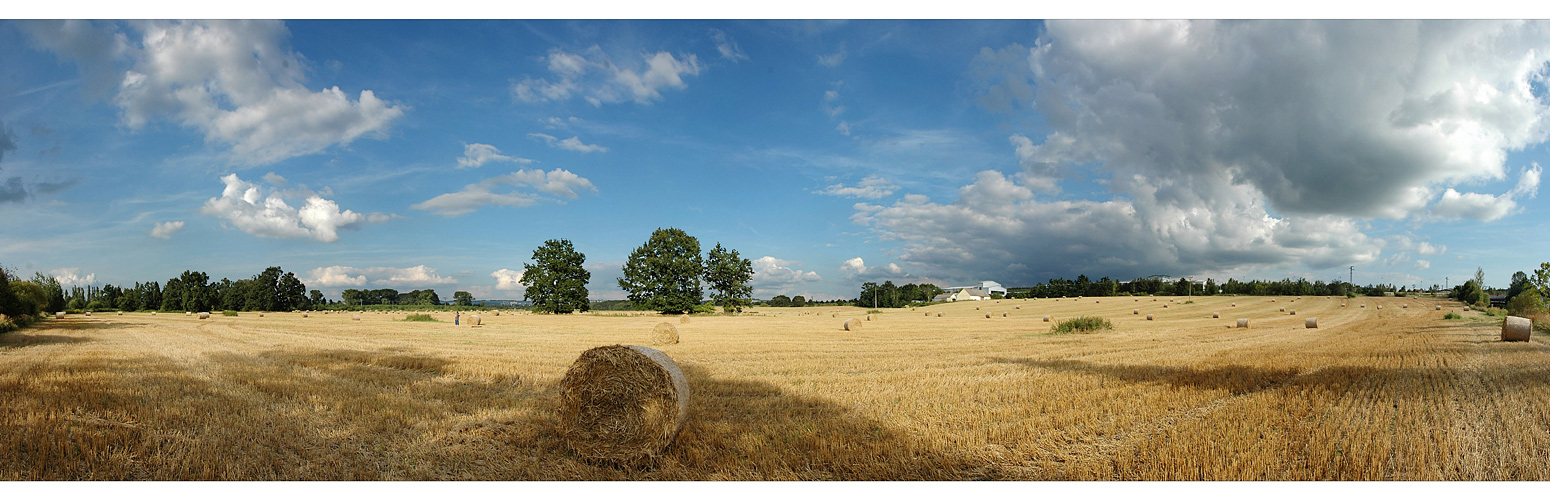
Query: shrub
{"points": [[1452, 315], [421, 317], [228, 313], [706, 308], [1526, 303], [1082, 324], [1495, 312]]}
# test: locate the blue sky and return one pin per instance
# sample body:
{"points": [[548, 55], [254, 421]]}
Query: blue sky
{"points": [[415, 154]]}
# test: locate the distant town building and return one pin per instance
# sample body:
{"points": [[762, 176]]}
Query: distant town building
{"points": [[988, 287], [961, 293]]}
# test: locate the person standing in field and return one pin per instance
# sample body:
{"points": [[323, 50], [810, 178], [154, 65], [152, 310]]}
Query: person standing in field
{"points": [[456, 316]]}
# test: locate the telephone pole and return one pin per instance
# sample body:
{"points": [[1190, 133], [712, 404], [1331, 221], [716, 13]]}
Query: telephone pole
{"points": [[1352, 277]]}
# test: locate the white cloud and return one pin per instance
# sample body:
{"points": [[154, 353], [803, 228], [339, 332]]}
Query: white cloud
{"points": [[1361, 119], [1425, 248], [871, 187], [857, 270], [727, 46], [843, 128], [507, 279], [572, 144], [598, 78], [833, 60], [1484, 207], [237, 82], [71, 276], [558, 182], [248, 207], [165, 230], [1421, 265], [772, 276], [475, 155], [387, 277]]}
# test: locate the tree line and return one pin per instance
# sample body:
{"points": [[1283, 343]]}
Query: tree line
{"points": [[665, 274], [1525, 293]]}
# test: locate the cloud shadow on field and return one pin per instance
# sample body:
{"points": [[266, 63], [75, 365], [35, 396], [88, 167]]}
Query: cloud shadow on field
{"points": [[20, 338], [1236, 379]]}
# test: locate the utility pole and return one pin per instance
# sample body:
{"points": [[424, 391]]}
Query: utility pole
{"points": [[1352, 278]]}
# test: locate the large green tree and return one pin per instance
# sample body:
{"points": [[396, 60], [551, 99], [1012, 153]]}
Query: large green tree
{"points": [[462, 298], [556, 281], [728, 276], [664, 274]]}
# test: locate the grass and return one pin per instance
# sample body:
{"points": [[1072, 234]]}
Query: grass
{"points": [[1082, 324], [228, 313], [422, 317], [1396, 394], [1452, 315]]}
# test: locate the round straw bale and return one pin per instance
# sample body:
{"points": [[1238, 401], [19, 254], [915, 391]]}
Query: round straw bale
{"points": [[1165, 306], [1342, 304], [1380, 306], [356, 316], [1516, 329], [622, 404], [1135, 311], [1292, 312], [1243, 322], [869, 317], [852, 325], [683, 319], [1046, 318], [204, 315], [497, 313], [1018, 307], [1005, 314], [88, 314], [1095, 301], [987, 315], [260, 314], [1364, 306], [1466, 308], [1148, 317], [153, 313], [1439, 308], [59, 315], [1135, 300], [1272, 300], [1216, 315], [121, 313], [1310, 323], [304, 314], [473, 320], [1404, 306], [928, 314], [976, 308], [1283, 309], [664, 333], [938, 315], [188, 313], [1235, 304]]}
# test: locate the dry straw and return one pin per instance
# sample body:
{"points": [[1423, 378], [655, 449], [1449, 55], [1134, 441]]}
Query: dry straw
{"points": [[938, 315], [303, 315], [1243, 322], [204, 315], [622, 404], [1235, 304], [664, 333], [356, 317], [1310, 323], [473, 320], [1364, 306], [1292, 312], [683, 319], [1148, 317], [928, 314], [1516, 329], [852, 325], [1215, 315], [1283, 309], [188, 313], [1046, 318], [1135, 311]]}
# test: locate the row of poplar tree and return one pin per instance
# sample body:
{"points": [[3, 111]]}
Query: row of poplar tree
{"points": [[665, 274]]}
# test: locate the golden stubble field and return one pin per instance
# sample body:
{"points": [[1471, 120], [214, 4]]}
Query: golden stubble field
{"points": [[1397, 393]]}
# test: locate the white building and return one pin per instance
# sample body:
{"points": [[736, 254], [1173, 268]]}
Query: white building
{"points": [[962, 293], [988, 287]]}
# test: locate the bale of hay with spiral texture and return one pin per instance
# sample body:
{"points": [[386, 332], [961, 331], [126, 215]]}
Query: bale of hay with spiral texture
{"points": [[356, 317], [852, 325], [1018, 307], [204, 315], [1380, 306], [1310, 323], [1165, 306], [473, 320], [976, 308], [1516, 329], [59, 315], [622, 404], [664, 333], [1148, 317], [497, 313], [1216, 315], [1243, 322]]}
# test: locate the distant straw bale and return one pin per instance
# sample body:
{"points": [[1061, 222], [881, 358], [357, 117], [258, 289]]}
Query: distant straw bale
{"points": [[59, 315], [473, 320], [683, 319], [1046, 318], [987, 315], [622, 405], [355, 316], [1243, 322], [204, 315], [1310, 323], [1215, 315], [1439, 308], [664, 333], [1135, 311], [1148, 317], [1292, 312]]}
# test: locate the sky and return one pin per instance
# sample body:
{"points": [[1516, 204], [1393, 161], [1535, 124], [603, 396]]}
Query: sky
{"points": [[440, 154]]}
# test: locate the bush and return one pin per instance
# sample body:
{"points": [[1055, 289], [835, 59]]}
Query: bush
{"points": [[1082, 324], [421, 317], [1452, 315], [706, 308], [1526, 303]]}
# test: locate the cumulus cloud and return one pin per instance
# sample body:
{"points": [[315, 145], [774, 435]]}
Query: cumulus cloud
{"points": [[1233, 146], [598, 78], [165, 230], [264, 212], [727, 46], [558, 183], [871, 187], [572, 144], [387, 277], [507, 279], [1421, 265], [772, 276], [856, 269], [475, 155], [72, 276], [238, 82], [1425, 248]]}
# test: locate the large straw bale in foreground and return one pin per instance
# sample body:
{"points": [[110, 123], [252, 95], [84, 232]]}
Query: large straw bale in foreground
{"points": [[622, 404], [1516, 329], [664, 333], [852, 325], [473, 320]]}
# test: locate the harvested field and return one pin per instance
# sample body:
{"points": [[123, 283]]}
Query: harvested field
{"points": [[1397, 393]]}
